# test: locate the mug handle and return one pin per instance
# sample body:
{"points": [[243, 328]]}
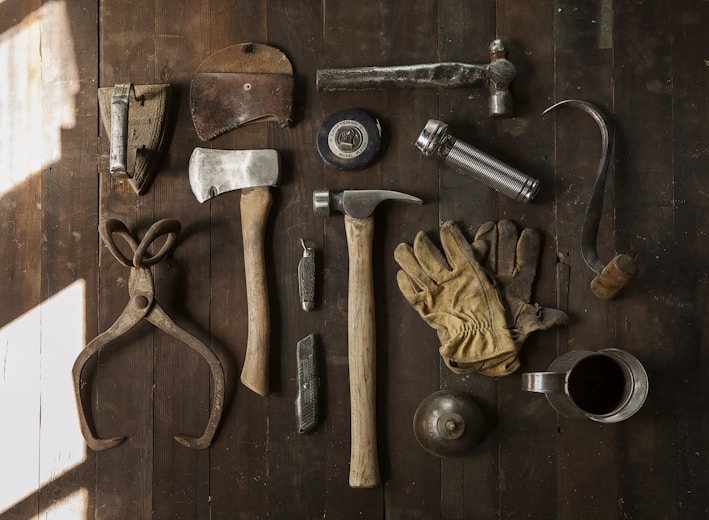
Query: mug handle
{"points": [[544, 382]]}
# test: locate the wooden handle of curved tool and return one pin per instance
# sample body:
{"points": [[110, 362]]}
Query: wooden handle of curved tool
{"points": [[255, 204], [364, 464], [614, 276]]}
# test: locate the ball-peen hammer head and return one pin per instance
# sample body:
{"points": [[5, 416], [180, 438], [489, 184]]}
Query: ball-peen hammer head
{"points": [[357, 204], [495, 76], [501, 72]]}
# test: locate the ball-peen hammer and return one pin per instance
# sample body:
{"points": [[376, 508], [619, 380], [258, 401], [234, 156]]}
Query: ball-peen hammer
{"points": [[496, 76]]}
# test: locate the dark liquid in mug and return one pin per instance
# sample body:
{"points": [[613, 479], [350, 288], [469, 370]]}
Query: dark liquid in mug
{"points": [[597, 385]]}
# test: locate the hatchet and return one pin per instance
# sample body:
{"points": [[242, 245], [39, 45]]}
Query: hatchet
{"points": [[213, 172]]}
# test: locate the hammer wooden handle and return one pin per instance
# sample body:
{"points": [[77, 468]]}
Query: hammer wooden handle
{"points": [[364, 464], [255, 205]]}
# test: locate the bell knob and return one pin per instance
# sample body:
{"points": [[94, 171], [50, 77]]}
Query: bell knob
{"points": [[448, 423]]}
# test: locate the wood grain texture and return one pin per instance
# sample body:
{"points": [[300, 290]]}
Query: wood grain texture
{"points": [[640, 62], [689, 80], [255, 205], [361, 353]]}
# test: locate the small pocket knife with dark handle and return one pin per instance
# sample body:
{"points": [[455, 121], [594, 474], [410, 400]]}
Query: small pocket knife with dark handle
{"points": [[306, 278]]}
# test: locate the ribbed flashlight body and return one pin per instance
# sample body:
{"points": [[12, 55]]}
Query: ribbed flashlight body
{"points": [[436, 140], [495, 174]]}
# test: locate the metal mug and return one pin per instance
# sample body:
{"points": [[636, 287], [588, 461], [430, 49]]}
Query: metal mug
{"points": [[606, 386]]}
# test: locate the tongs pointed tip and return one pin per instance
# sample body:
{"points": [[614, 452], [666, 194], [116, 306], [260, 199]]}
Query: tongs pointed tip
{"points": [[97, 444], [195, 443]]}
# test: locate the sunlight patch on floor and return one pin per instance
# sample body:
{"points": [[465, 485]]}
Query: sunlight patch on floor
{"points": [[41, 435], [40, 82]]}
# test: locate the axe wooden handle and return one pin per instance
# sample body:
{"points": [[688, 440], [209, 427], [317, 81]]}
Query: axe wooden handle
{"points": [[364, 464], [255, 205]]}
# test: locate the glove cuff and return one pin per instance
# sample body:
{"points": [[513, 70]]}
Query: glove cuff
{"points": [[503, 365], [532, 317], [475, 345]]}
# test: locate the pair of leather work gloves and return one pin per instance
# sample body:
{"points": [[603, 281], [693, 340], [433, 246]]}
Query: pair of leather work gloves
{"points": [[477, 297]]}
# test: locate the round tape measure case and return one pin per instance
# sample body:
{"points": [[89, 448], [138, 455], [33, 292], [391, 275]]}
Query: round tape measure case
{"points": [[349, 139]]}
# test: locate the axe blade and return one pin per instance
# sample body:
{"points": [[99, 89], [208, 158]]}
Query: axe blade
{"points": [[212, 172]]}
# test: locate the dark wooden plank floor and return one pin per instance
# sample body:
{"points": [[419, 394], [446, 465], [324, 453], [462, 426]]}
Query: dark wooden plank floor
{"points": [[646, 64]]}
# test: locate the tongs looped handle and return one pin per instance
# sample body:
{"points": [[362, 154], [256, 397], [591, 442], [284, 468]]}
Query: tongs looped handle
{"points": [[169, 227]]}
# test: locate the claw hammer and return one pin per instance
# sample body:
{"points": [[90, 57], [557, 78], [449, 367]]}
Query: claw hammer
{"points": [[358, 207]]}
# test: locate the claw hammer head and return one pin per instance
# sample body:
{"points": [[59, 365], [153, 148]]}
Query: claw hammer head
{"points": [[358, 204]]}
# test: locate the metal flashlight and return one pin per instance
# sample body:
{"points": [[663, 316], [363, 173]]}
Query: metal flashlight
{"points": [[435, 139]]}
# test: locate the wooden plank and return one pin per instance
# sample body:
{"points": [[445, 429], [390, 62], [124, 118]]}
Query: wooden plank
{"points": [[69, 250], [645, 214], [527, 439], [21, 232], [690, 111], [469, 485], [239, 465], [583, 70], [124, 393], [407, 366], [296, 461], [339, 25], [183, 392]]}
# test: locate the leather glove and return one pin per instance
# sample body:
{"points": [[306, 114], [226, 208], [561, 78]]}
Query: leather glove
{"points": [[511, 258], [457, 298]]}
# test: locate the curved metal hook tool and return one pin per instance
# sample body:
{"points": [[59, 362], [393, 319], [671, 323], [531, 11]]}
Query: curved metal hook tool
{"points": [[142, 305], [614, 275]]}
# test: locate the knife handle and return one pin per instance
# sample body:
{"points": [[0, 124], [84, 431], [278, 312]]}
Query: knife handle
{"points": [[306, 278], [306, 402]]}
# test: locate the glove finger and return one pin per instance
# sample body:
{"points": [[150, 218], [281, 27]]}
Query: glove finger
{"points": [[487, 234], [411, 290], [506, 248], [528, 250], [430, 258], [458, 251], [481, 248], [404, 256]]}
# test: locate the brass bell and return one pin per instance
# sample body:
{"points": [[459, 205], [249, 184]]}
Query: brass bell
{"points": [[448, 423]]}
